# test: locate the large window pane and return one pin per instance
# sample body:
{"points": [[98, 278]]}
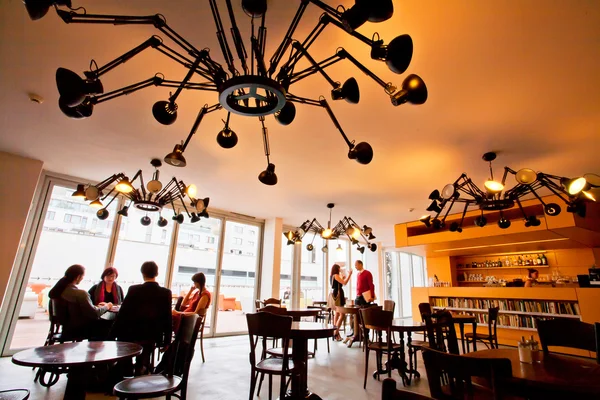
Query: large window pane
{"points": [[406, 284], [285, 276], [238, 276], [392, 281], [197, 251], [138, 243], [418, 271], [71, 234], [312, 272]]}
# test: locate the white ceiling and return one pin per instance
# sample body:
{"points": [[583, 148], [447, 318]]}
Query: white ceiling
{"points": [[518, 77]]}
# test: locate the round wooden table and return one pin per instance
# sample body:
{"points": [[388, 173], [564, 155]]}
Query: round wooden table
{"points": [[461, 320], [557, 376], [402, 326], [352, 310], [297, 313], [78, 357], [302, 332]]}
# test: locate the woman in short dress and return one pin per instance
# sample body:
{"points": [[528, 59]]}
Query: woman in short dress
{"points": [[337, 297]]}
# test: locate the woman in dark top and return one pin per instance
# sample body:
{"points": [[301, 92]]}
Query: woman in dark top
{"points": [[107, 290], [337, 297]]}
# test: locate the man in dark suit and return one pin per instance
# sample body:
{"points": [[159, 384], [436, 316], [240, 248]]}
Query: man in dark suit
{"points": [[145, 316]]}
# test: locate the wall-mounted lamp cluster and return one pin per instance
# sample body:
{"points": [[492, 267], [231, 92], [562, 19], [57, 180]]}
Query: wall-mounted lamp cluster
{"points": [[254, 88], [574, 192], [151, 197], [346, 226]]}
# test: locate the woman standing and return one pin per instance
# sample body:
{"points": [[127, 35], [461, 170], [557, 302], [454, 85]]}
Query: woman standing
{"points": [[196, 299], [107, 290], [337, 297]]}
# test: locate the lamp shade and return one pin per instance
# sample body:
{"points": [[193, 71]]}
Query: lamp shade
{"points": [[435, 195], [73, 89], [361, 249], [413, 91], [80, 192], [165, 112], [287, 114], [325, 249], [426, 219], [481, 221], [154, 186], [83, 110], [503, 223], [124, 186], [195, 218], [532, 221], [162, 222], [434, 207], [367, 10], [576, 185], [92, 193], [268, 176], [310, 247], [145, 220], [448, 191], [349, 91], [123, 211], [493, 186], [38, 8], [526, 176], [254, 8], [399, 54], [102, 214], [436, 223], [362, 153], [372, 247], [178, 218], [227, 138], [176, 158], [454, 227]]}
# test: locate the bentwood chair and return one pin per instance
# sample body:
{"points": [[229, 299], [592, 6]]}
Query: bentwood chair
{"points": [[568, 332], [202, 316], [377, 322], [272, 302], [389, 392], [389, 305], [265, 325], [450, 375], [175, 377], [14, 394], [490, 339]]}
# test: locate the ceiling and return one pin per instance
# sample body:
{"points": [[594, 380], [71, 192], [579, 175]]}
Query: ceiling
{"points": [[517, 77]]}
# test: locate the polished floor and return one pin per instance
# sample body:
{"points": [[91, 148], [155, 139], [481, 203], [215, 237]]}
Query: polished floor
{"points": [[226, 374]]}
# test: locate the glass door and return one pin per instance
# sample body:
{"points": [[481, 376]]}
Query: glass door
{"points": [[236, 278]]}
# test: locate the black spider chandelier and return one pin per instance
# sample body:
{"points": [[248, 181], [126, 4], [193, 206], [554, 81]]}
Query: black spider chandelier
{"points": [[574, 192], [257, 89], [346, 226], [149, 198]]}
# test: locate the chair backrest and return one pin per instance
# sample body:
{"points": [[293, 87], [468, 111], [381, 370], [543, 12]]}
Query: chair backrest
{"points": [[273, 310], [445, 332], [424, 309], [272, 301], [493, 320], [456, 371], [389, 305], [567, 332], [178, 303], [389, 392], [181, 357], [257, 304], [263, 325], [379, 321]]}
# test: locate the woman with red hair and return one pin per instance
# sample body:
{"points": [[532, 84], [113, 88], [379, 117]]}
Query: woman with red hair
{"points": [[107, 290]]}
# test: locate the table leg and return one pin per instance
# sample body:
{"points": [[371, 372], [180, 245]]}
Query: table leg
{"points": [[299, 382], [461, 326], [76, 379], [474, 334]]}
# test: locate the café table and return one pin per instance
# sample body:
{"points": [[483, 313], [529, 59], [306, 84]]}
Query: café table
{"points": [[461, 320], [111, 314], [398, 361], [556, 376], [301, 333], [297, 313], [78, 358], [351, 310]]}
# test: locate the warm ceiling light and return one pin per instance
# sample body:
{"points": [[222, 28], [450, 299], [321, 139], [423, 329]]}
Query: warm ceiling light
{"points": [[526, 176], [590, 195], [124, 186], [91, 193], [191, 191], [80, 192], [97, 204], [326, 234], [102, 214], [247, 83], [162, 222], [493, 186], [339, 248], [575, 186]]}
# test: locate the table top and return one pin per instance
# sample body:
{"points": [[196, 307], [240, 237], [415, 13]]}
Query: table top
{"points": [[463, 318], [407, 325], [348, 309], [311, 330], [555, 370], [80, 353], [303, 312]]}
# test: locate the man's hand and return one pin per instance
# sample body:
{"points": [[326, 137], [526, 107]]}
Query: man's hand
{"points": [[101, 304]]}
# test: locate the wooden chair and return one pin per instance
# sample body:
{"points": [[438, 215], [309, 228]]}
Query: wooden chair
{"points": [[272, 302], [261, 326], [257, 304], [389, 305], [425, 309], [202, 316], [568, 332], [378, 321], [491, 337], [449, 375], [389, 392], [14, 394], [175, 378], [324, 317]]}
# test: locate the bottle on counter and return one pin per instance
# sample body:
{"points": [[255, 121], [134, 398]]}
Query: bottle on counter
{"points": [[507, 261], [499, 263], [544, 260], [519, 261]]}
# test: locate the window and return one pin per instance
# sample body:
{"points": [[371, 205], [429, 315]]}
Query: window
{"points": [[163, 235], [238, 229], [210, 239], [313, 271], [252, 233], [402, 271], [237, 241], [251, 243], [50, 215]]}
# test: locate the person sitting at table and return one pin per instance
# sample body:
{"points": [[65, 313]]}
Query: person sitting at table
{"points": [[82, 317], [145, 316], [532, 275], [196, 299], [337, 297], [107, 290]]}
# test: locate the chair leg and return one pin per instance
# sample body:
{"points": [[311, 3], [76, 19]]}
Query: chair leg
{"points": [[202, 345], [366, 367], [328, 351], [262, 377], [282, 387], [253, 378], [270, 387]]}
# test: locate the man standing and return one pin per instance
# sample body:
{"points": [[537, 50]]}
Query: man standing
{"points": [[365, 289], [145, 316]]}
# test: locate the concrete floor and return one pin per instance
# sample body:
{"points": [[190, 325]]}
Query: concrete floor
{"points": [[226, 374]]}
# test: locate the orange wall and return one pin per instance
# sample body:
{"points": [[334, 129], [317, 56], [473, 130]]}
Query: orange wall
{"points": [[18, 181], [439, 266]]}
